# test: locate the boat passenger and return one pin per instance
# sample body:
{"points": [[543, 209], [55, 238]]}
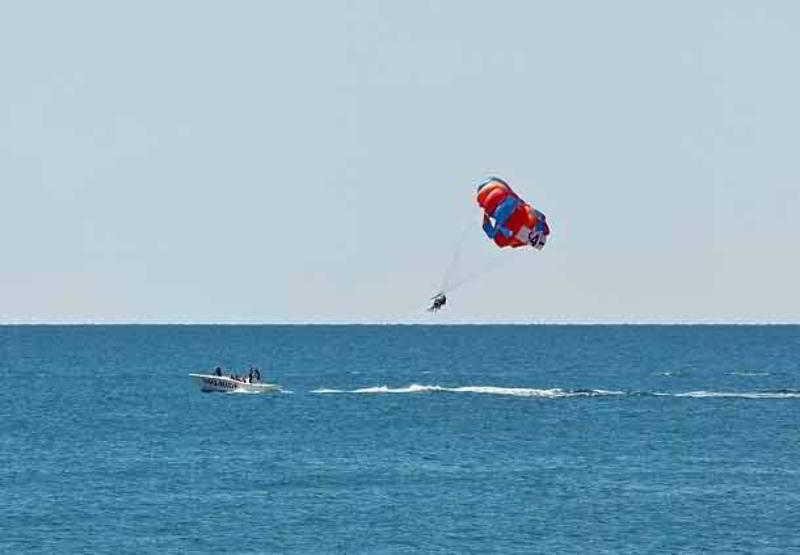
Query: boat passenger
{"points": [[218, 371]]}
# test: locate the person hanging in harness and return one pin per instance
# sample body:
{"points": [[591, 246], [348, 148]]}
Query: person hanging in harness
{"points": [[438, 302]]}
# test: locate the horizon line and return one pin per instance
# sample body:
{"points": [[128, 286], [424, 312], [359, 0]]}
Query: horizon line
{"points": [[401, 323]]}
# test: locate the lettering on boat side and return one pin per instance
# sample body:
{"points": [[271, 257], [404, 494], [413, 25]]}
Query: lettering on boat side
{"points": [[219, 383]]}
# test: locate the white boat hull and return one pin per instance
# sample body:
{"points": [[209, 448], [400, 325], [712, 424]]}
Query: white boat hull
{"points": [[210, 382]]}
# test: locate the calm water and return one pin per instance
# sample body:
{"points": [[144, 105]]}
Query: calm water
{"points": [[402, 439]]}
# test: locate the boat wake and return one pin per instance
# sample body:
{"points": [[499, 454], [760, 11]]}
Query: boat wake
{"points": [[277, 390], [242, 392], [766, 394], [554, 393], [485, 389]]}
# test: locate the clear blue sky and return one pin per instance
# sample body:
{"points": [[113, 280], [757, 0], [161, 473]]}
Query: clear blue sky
{"points": [[314, 161]]}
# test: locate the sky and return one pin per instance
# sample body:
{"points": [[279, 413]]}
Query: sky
{"points": [[291, 162]]}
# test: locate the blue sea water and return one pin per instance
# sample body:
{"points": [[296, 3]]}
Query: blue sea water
{"points": [[394, 439]]}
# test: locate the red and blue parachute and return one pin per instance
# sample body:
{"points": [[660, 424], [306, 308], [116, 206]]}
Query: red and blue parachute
{"points": [[508, 220], [516, 223]]}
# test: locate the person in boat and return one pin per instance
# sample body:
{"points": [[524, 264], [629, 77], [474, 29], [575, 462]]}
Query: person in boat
{"points": [[438, 302], [218, 371]]}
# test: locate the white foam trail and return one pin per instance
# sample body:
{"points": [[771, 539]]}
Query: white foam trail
{"points": [[532, 392], [514, 391], [413, 388], [484, 389], [741, 395], [255, 392], [559, 393]]}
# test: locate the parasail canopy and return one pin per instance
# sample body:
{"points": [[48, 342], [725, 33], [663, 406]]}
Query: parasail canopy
{"points": [[507, 219]]}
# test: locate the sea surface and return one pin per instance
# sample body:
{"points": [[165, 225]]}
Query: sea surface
{"points": [[401, 439]]}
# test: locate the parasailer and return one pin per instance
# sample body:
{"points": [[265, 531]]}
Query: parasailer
{"points": [[439, 300], [516, 223], [508, 221]]}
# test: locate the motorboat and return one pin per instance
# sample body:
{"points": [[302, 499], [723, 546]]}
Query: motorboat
{"points": [[212, 382]]}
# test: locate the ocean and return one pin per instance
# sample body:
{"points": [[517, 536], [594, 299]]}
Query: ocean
{"points": [[401, 439]]}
